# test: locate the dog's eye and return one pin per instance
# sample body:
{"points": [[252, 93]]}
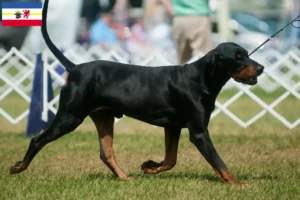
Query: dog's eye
{"points": [[238, 56]]}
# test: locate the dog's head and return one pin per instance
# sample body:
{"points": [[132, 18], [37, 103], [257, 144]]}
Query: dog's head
{"points": [[234, 60]]}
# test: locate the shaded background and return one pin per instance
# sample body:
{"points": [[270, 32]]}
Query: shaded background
{"points": [[250, 23]]}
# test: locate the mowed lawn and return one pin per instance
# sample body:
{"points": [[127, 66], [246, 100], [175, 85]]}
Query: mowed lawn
{"points": [[266, 155]]}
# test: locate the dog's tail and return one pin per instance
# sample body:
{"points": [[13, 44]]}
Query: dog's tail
{"points": [[65, 61]]}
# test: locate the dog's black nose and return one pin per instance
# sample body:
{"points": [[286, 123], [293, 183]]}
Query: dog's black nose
{"points": [[259, 69]]}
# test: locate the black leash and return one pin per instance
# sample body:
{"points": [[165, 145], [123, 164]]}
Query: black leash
{"points": [[297, 19]]}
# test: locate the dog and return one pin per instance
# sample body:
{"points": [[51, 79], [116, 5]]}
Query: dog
{"points": [[172, 97]]}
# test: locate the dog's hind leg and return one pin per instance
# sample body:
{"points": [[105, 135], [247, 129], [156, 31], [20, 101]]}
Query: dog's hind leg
{"points": [[62, 125], [172, 136], [104, 122], [67, 119]]}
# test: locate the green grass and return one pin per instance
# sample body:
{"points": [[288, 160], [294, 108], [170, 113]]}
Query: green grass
{"points": [[266, 155], [70, 168]]}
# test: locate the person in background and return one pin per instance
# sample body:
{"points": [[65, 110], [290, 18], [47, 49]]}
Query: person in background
{"points": [[138, 37], [191, 26], [102, 31]]}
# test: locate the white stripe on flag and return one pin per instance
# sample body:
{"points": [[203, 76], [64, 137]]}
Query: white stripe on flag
{"points": [[14, 18]]}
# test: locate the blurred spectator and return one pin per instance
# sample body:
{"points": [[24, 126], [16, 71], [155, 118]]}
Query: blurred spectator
{"points": [[138, 36], [91, 9], [102, 31], [158, 25], [138, 31], [191, 26]]}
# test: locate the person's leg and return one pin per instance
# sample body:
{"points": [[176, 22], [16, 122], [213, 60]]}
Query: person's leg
{"points": [[184, 50], [200, 34]]}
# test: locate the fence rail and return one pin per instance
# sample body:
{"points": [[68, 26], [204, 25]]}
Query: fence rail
{"points": [[281, 77]]}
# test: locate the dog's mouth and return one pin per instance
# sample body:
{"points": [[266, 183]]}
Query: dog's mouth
{"points": [[249, 81]]}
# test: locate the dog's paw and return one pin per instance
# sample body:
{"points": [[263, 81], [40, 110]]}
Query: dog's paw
{"points": [[18, 167], [150, 164], [151, 167]]}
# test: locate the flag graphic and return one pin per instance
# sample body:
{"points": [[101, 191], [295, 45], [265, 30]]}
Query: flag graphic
{"points": [[21, 13]]}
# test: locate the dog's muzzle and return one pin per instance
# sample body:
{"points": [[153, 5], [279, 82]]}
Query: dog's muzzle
{"points": [[251, 80]]}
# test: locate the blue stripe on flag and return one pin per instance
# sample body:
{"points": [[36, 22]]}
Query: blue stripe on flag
{"points": [[21, 5]]}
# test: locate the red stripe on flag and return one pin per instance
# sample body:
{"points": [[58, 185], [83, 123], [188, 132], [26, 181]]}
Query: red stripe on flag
{"points": [[21, 22]]}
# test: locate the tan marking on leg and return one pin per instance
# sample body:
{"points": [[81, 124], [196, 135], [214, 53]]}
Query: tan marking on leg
{"points": [[227, 176], [104, 122], [171, 147], [18, 167]]}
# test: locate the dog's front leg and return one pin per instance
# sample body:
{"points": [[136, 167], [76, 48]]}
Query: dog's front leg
{"points": [[172, 136], [199, 136]]}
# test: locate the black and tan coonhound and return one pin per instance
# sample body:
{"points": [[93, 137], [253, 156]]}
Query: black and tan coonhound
{"points": [[172, 97]]}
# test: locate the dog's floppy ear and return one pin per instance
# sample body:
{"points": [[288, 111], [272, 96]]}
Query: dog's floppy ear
{"points": [[213, 57], [228, 50]]}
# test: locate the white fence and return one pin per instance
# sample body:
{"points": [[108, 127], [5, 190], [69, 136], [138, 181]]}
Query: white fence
{"points": [[282, 73]]}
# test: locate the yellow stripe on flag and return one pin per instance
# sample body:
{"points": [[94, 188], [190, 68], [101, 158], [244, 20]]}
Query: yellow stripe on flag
{"points": [[13, 14]]}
